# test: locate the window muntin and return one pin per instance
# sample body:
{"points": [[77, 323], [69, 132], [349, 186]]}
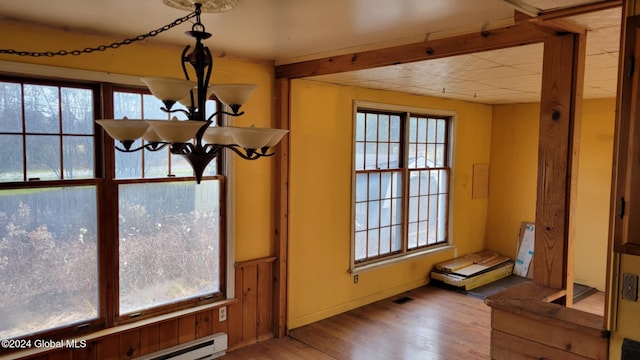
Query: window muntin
{"points": [[151, 164], [169, 227], [47, 131], [53, 244], [401, 183]]}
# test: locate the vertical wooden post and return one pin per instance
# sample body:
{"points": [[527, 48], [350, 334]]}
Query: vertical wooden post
{"points": [[281, 243], [560, 118]]}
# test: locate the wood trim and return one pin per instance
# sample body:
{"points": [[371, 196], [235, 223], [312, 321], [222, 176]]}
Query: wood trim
{"points": [[626, 230], [516, 35], [281, 240], [560, 117]]}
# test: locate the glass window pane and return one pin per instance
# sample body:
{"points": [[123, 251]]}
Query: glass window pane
{"points": [[41, 109], [422, 130], [383, 127], [396, 215], [412, 236], [10, 107], [129, 165], [385, 240], [383, 156], [396, 238], [361, 187], [395, 128], [372, 127], [440, 155], [371, 160], [431, 131], [181, 168], [361, 245], [374, 186], [359, 162], [413, 131], [361, 216], [360, 128], [422, 233], [151, 108], [77, 111], [48, 258], [441, 130], [374, 214], [11, 158], [169, 242], [373, 243], [43, 157], [78, 157], [156, 163], [397, 184], [127, 104], [394, 156]]}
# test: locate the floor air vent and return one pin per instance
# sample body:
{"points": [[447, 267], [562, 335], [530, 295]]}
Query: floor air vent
{"points": [[402, 300], [205, 348]]}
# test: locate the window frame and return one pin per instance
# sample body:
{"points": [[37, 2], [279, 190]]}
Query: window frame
{"points": [[106, 185], [404, 253]]}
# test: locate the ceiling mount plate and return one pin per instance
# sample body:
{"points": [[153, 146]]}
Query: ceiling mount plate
{"points": [[208, 6]]}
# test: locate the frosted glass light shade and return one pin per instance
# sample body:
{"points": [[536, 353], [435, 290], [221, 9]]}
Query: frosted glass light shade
{"points": [[125, 129], [277, 136], [233, 94], [186, 100], [255, 138], [151, 136], [174, 131], [218, 135], [168, 88]]}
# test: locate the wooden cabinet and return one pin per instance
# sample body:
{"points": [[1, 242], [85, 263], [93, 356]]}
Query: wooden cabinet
{"points": [[627, 146]]}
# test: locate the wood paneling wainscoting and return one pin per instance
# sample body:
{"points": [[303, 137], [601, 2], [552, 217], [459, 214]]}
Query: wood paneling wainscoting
{"points": [[249, 320]]}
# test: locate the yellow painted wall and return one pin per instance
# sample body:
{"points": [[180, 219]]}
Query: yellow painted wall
{"points": [[253, 180], [513, 179], [320, 199]]}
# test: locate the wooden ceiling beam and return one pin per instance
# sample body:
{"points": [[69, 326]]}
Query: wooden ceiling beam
{"points": [[520, 34]]}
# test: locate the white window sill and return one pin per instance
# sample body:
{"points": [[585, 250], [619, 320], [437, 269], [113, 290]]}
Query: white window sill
{"points": [[400, 258]]}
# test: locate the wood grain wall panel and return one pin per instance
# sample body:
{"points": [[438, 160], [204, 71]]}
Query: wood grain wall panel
{"points": [[108, 348], [168, 334], [249, 295], [204, 325], [265, 300], [249, 319], [129, 344], [220, 326], [234, 315], [509, 347], [186, 328], [65, 354], [88, 353], [149, 339]]}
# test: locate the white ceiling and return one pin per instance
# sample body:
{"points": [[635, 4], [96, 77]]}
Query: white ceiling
{"points": [[287, 31]]}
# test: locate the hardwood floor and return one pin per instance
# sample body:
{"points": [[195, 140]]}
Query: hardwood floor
{"points": [[435, 324]]}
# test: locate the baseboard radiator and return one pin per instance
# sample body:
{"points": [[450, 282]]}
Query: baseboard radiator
{"points": [[205, 348]]}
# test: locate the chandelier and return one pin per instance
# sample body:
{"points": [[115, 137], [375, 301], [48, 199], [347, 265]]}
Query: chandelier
{"points": [[196, 137]]}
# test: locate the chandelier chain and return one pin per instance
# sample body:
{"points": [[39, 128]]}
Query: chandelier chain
{"points": [[114, 45]]}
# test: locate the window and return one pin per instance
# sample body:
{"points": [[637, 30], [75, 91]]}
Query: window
{"points": [[169, 229], [48, 208], [401, 183], [75, 217]]}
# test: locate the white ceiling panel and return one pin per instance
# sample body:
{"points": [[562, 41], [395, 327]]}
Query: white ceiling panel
{"points": [[289, 30]]}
